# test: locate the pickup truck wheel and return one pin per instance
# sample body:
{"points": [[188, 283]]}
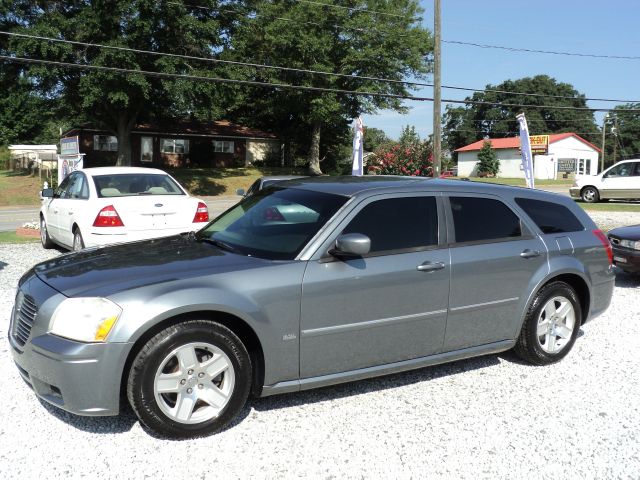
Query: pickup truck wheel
{"points": [[190, 379], [590, 195], [44, 234], [551, 325]]}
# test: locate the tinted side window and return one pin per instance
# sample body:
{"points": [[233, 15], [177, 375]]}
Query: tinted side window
{"points": [[62, 188], [398, 223], [550, 217], [477, 219]]}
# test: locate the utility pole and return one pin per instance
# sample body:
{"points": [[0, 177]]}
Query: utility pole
{"points": [[604, 130], [614, 131], [437, 62]]}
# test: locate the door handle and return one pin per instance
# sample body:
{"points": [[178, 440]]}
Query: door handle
{"points": [[70, 212], [430, 266], [530, 253]]}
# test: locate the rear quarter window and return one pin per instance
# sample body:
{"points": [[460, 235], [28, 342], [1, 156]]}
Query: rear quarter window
{"points": [[478, 219], [550, 217]]}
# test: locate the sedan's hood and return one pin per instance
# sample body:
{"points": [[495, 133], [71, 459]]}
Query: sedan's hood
{"points": [[631, 232], [108, 270]]}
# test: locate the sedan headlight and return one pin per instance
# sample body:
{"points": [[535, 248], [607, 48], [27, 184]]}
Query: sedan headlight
{"points": [[87, 319], [635, 245]]}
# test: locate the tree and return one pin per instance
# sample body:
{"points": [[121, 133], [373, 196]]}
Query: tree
{"points": [[409, 136], [116, 101], [488, 163], [373, 138], [625, 139], [346, 41], [464, 125]]}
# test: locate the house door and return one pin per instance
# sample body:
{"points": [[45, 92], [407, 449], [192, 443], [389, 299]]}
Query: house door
{"points": [[146, 149]]}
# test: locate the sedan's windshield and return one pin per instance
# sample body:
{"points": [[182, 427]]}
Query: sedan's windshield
{"points": [[275, 223]]}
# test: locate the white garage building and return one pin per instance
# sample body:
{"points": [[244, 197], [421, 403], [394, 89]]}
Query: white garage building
{"points": [[558, 153]]}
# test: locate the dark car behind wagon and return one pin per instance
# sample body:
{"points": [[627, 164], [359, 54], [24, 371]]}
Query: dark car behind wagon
{"points": [[306, 284]]}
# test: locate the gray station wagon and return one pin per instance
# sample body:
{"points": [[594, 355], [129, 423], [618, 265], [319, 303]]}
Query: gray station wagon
{"points": [[304, 284]]}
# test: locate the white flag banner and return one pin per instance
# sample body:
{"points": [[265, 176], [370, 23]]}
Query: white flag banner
{"points": [[525, 149], [357, 168]]}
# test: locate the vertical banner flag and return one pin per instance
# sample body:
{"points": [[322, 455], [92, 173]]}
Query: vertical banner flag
{"points": [[358, 133], [525, 148]]}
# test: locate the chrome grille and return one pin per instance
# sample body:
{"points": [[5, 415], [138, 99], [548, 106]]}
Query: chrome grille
{"points": [[24, 316]]}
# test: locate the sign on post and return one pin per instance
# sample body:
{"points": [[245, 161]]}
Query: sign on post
{"points": [[525, 147]]}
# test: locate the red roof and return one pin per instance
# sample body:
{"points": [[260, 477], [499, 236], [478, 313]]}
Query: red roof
{"points": [[514, 142]]}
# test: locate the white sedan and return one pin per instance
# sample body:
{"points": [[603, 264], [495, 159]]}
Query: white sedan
{"points": [[620, 181], [101, 206]]}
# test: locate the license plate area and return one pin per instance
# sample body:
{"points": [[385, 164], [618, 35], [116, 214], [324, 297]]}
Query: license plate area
{"points": [[619, 259]]}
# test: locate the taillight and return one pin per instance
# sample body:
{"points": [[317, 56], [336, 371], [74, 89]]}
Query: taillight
{"points": [[273, 215], [108, 217], [605, 243], [202, 213]]}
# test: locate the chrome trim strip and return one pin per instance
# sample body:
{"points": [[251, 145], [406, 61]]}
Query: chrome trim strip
{"points": [[313, 332], [485, 304]]}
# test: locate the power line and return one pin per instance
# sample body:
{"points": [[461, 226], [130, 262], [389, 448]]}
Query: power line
{"points": [[516, 131], [301, 70], [550, 52], [288, 86], [180, 76]]}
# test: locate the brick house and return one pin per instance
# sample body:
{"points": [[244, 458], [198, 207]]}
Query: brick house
{"points": [[181, 144]]}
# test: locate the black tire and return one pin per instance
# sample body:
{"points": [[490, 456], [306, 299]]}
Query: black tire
{"points": [[590, 194], [528, 346], [44, 234], [150, 358], [78, 241]]}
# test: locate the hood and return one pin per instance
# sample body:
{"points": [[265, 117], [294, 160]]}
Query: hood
{"points": [[631, 232], [104, 271]]}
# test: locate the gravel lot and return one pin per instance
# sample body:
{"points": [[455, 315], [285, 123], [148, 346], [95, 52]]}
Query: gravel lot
{"points": [[484, 418]]}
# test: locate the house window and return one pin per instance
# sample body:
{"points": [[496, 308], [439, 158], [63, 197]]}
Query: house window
{"points": [[105, 143], [223, 146], [173, 145]]}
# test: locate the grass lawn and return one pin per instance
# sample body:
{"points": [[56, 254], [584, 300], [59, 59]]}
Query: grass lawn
{"points": [[18, 188], [11, 237], [610, 207]]}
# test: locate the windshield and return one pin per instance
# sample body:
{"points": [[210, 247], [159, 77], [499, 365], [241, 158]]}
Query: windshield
{"points": [[127, 184], [275, 223]]}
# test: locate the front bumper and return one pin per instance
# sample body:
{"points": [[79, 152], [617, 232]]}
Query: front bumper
{"points": [[81, 378], [574, 192], [626, 259]]}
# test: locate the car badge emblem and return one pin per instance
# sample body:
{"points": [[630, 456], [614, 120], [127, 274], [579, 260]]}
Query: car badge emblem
{"points": [[158, 205]]}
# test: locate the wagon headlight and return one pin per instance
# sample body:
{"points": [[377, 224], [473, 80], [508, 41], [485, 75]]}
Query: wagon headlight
{"points": [[630, 244], [87, 319]]}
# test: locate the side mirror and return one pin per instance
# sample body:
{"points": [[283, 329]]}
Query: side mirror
{"points": [[241, 192], [351, 245], [47, 193]]}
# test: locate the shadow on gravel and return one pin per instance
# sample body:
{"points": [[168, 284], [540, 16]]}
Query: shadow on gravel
{"points": [[370, 385], [627, 280], [101, 425]]}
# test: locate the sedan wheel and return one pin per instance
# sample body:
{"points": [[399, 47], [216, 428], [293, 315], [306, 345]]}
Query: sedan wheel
{"points": [[78, 242], [551, 325], [44, 234], [590, 195], [189, 380]]}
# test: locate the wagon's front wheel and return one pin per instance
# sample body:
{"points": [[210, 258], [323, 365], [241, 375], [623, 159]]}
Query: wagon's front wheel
{"points": [[190, 379]]}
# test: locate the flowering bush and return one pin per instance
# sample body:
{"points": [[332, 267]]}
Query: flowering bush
{"points": [[415, 160]]}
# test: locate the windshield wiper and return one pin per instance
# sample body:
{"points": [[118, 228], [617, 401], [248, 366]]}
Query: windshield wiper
{"points": [[218, 243]]}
